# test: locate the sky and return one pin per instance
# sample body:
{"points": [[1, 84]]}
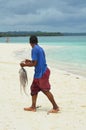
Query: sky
{"points": [[43, 15]]}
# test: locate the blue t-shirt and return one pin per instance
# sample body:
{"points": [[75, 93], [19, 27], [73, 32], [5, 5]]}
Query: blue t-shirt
{"points": [[38, 55]]}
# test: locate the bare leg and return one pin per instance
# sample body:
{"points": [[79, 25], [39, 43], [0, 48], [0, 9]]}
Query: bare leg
{"points": [[33, 106], [51, 99]]}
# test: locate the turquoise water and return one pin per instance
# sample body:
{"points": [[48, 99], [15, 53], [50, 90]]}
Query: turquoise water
{"points": [[60, 40], [64, 52], [69, 58]]}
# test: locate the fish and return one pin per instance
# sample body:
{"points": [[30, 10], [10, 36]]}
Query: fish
{"points": [[23, 79]]}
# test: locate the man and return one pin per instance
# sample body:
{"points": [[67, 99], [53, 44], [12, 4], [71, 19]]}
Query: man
{"points": [[41, 75]]}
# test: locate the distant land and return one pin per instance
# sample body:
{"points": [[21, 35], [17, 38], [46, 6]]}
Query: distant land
{"points": [[37, 33]]}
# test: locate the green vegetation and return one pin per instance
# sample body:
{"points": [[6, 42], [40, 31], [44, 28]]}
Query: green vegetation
{"points": [[37, 33], [26, 33]]}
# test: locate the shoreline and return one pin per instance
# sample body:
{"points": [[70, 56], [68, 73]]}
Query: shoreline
{"points": [[23, 53], [77, 73]]}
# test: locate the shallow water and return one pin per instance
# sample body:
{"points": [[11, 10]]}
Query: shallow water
{"points": [[64, 52]]}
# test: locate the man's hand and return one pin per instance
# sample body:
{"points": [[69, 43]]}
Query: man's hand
{"points": [[28, 63], [27, 60], [22, 64]]}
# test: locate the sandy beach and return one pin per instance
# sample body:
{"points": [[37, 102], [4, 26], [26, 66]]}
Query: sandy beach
{"points": [[68, 89]]}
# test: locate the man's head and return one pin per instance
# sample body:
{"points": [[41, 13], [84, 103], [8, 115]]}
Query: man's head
{"points": [[33, 39]]}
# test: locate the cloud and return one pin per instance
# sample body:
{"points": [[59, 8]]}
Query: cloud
{"points": [[56, 15]]}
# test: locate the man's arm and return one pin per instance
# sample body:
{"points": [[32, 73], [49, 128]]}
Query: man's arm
{"points": [[28, 63]]}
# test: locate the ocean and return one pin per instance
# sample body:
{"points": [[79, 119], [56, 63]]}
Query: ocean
{"points": [[67, 53]]}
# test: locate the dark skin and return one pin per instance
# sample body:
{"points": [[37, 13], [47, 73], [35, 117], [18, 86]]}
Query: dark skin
{"points": [[49, 95], [28, 63]]}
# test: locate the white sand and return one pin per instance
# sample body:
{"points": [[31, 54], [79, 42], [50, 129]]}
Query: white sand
{"points": [[69, 91]]}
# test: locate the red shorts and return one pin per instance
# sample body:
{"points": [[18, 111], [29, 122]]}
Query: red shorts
{"points": [[41, 84]]}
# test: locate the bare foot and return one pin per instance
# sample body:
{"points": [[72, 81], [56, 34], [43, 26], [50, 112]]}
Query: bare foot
{"points": [[30, 109], [53, 111]]}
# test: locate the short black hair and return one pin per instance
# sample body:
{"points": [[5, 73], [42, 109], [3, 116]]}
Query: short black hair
{"points": [[33, 39]]}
